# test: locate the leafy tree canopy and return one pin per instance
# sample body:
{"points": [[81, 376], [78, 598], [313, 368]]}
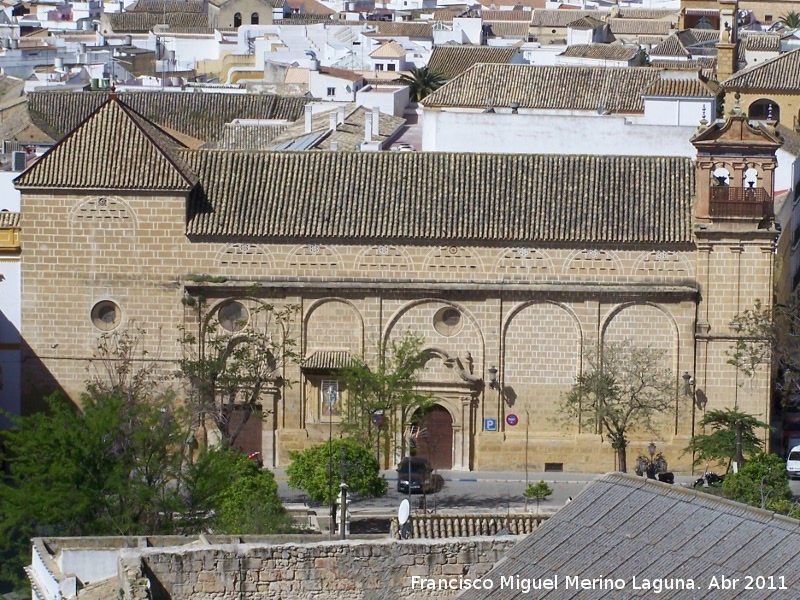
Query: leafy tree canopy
{"points": [[320, 469], [421, 82], [762, 482], [718, 445]]}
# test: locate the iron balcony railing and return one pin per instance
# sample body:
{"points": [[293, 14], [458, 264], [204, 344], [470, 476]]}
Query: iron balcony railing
{"points": [[750, 202]]}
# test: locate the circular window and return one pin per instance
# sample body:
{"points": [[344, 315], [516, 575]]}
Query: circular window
{"points": [[106, 315], [447, 321], [233, 316]]}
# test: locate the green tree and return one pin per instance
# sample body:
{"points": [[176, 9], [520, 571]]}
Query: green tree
{"points": [[388, 386], [421, 82], [320, 469], [626, 388], [538, 491], [762, 482], [791, 19], [719, 444], [248, 503], [237, 354]]}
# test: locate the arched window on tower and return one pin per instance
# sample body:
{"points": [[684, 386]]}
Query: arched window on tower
{"points": [[750, 178], [237, 20], [254, 19], [764, 109], [721, 177]]}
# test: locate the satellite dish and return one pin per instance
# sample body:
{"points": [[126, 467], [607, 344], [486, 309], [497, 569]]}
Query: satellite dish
{"points": [[403, 512]]}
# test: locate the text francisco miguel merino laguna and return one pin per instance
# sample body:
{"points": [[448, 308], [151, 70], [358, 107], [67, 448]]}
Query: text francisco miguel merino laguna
{"points": [[556, 582]]}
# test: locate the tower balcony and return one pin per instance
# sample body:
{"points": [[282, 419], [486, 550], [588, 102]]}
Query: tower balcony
{"points": [[748, 202]]}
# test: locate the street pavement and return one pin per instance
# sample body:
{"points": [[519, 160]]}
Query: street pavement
{"points": [[464, 492]]}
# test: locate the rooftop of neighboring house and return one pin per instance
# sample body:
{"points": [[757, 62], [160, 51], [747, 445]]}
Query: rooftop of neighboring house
{"points": [[200, 116], [523, 16], [341, 74], [616, 89], [309, 7], [509, 29], [348, 134], [639, 26], [389, 50], [761, 42], [779, 74], [165, 6], [686, 43], [365, 196], [450, 60], [586, 23], [401, 29], [142, 22], [562, 18], [602, 51], [628, 526]]}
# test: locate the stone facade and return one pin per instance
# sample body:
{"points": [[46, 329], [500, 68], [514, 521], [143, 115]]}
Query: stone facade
{"points": [[108, 260], [354, 570]]}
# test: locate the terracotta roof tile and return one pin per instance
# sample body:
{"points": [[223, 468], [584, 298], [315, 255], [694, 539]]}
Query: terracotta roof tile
{"points": [[679, 88], [142, 22], [649, 13], [586, 23], [198, 115], [562, 18], [165, 6], [523, 16], [617, 89], [765, 42], [400, 29], [602, 51], [779, 74], [451, 61], [115, 148], [509, 29], [324, 360], [639, 26], [442, 197], [389, 50]]}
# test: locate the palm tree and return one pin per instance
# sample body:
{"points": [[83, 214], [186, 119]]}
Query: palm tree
{"points": [[791, 19], [422, 81]]}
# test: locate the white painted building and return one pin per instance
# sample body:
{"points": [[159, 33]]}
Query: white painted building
{"points": [[10, 297]]}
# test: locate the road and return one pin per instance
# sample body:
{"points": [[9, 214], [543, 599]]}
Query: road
{"points": [[465, 492]]}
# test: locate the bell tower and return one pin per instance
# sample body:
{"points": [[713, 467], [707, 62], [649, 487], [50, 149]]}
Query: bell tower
{"points": [[735, 238]]}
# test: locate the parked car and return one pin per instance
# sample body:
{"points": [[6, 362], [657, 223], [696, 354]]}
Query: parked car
{"points": [[415, 473], [793, 463]]}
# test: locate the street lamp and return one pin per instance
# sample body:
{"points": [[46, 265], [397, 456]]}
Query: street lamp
{"points": [[331, 400], [688, 383], [493, 382]]}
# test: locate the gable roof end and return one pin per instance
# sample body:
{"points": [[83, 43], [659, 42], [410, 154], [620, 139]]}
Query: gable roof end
{"points": [[115, 148]]}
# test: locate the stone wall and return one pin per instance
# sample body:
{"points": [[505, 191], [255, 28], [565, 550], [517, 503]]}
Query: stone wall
{"points": [[346, 570]]}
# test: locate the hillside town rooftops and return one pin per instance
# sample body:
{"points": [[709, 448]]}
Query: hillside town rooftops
{"points": [[639, 26], [586, 23], [763, 42], [562, 18]]}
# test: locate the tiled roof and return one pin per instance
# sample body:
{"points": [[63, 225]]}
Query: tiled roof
{"points": [[248, 137], [602, 51], [389, 50], [115, 148], [324, 360], [347, 135], [685, 42], [442, 197], [451, 61], [779, 74], [562, 18], [533, 4], [305, 20], [622, 526], [679, 88], [507, 15], [9, 220], [400, 29], [142, 22], [696, 64], [341, 74], [509, 29], [617, 89], [648, 13], [586, 23], [672, 46], [766, 42], [639, 26], [199, 115], [166, 6]]}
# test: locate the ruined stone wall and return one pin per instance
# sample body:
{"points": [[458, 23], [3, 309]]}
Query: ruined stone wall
{"points": [[347, 570]]}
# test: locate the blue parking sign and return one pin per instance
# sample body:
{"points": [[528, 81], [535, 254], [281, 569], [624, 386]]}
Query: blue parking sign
{"points": [[490, 424]]}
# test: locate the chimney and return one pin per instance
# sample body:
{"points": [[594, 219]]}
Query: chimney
{"points": [[333, 123], [376, 121], [367, 130], [340, 120], [334, 146], [308, 113]]}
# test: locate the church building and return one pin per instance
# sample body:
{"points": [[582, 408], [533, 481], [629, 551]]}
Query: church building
{"points": [[511, 267]]}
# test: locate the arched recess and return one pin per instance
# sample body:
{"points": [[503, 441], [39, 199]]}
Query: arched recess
{"points": [[593, 262], [541, 357], [384, 258], [244, 254], [647, 324], [662, 263], [524, 264], [333, 324], [764, 109], [98, 223], [104, 209], [452, 373], [306, 258], [452, 262]]}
